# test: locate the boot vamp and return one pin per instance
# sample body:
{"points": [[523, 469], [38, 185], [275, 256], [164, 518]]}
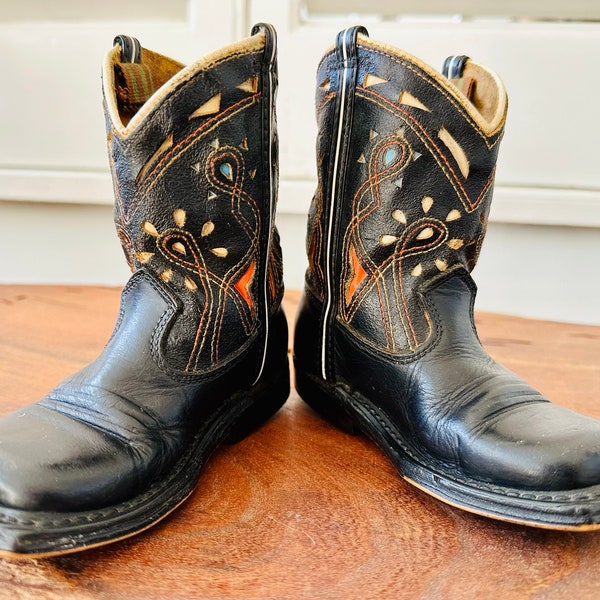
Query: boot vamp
{"points": [[489, 421], [100, 437], [499, 429], [453, 404], [111, 430], [50, 461], [539, 445]]}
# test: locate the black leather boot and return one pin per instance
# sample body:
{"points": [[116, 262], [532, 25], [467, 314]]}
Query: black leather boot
{"points": [[385, 338], [199, 353]]}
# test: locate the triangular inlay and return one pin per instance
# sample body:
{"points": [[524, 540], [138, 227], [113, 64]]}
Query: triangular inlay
{"points": [[408, 99], [326, 85], [371, 80], [250, 85], [210, 107]]}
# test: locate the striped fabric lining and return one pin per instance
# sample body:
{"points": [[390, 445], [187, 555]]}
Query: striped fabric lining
{"points": [[135, 83]]}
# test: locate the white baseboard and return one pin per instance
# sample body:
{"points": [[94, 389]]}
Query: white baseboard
{"points": [[512, 204]]}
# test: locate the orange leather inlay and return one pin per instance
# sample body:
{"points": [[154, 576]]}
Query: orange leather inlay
{"points": [[358, 274], [244, 282]]}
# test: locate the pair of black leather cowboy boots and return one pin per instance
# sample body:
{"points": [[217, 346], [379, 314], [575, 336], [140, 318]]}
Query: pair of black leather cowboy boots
{"points": [[385, 341]]}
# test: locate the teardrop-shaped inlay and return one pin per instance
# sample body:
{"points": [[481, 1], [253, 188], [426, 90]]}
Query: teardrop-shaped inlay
{"points": [[427, 203], [207, 228], [144, 257], [455, 243], [226, 169], [425, 234], [220, 252], [417, 271], [179, 247], [149, 228], [389, 156], [166, 275], [453, 215], [190, 284], [387, 240], [179, 217], [399, 216], [442, 265]]}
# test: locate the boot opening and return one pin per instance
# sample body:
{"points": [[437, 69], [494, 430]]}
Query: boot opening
{"points": [[135, 82], [481, 86], [484, 91]]}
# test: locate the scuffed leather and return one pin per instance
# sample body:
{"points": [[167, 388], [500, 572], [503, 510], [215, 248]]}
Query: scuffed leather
{"points": [[110, 431], [403, 336], [454, 403], [112, 428]]}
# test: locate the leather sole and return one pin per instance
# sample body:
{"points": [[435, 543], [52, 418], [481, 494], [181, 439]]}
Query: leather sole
{"points": [[33, 534], [571, 510]]}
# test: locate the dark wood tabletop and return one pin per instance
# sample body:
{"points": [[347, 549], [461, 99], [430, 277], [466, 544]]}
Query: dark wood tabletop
{"points": [[299, 509]]}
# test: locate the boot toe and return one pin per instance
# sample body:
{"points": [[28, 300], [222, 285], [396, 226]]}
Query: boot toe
{"points": [[51, 462], [538, 446]]}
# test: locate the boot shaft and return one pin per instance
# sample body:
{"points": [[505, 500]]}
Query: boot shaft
{"points": [[406, 164], [193, 152]]}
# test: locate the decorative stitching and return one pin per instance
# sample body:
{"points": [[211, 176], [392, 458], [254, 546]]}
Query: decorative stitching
{"points": [[420, 131], [241, 402], [429, 80], [481, 486]]}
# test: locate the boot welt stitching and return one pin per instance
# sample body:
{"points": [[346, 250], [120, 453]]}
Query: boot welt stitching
{"points": [[510, 492]]}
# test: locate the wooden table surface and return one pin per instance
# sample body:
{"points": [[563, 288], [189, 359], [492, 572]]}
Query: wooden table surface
{"points": [[299, 509]]}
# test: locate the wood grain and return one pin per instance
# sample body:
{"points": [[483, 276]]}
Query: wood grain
{"points": [[299, 509]]}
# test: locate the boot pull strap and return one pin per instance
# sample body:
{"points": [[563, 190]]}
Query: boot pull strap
{"points": [[453, 69], [135, 81], [131, 49], [270, 40], [454, 66], [345, 44]]}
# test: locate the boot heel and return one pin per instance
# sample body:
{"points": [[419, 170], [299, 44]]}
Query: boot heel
{"points": [[268, 401], [325, 402]]}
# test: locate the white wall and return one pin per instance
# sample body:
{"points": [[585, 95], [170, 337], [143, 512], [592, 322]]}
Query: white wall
{"points": [[543, 243]]}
